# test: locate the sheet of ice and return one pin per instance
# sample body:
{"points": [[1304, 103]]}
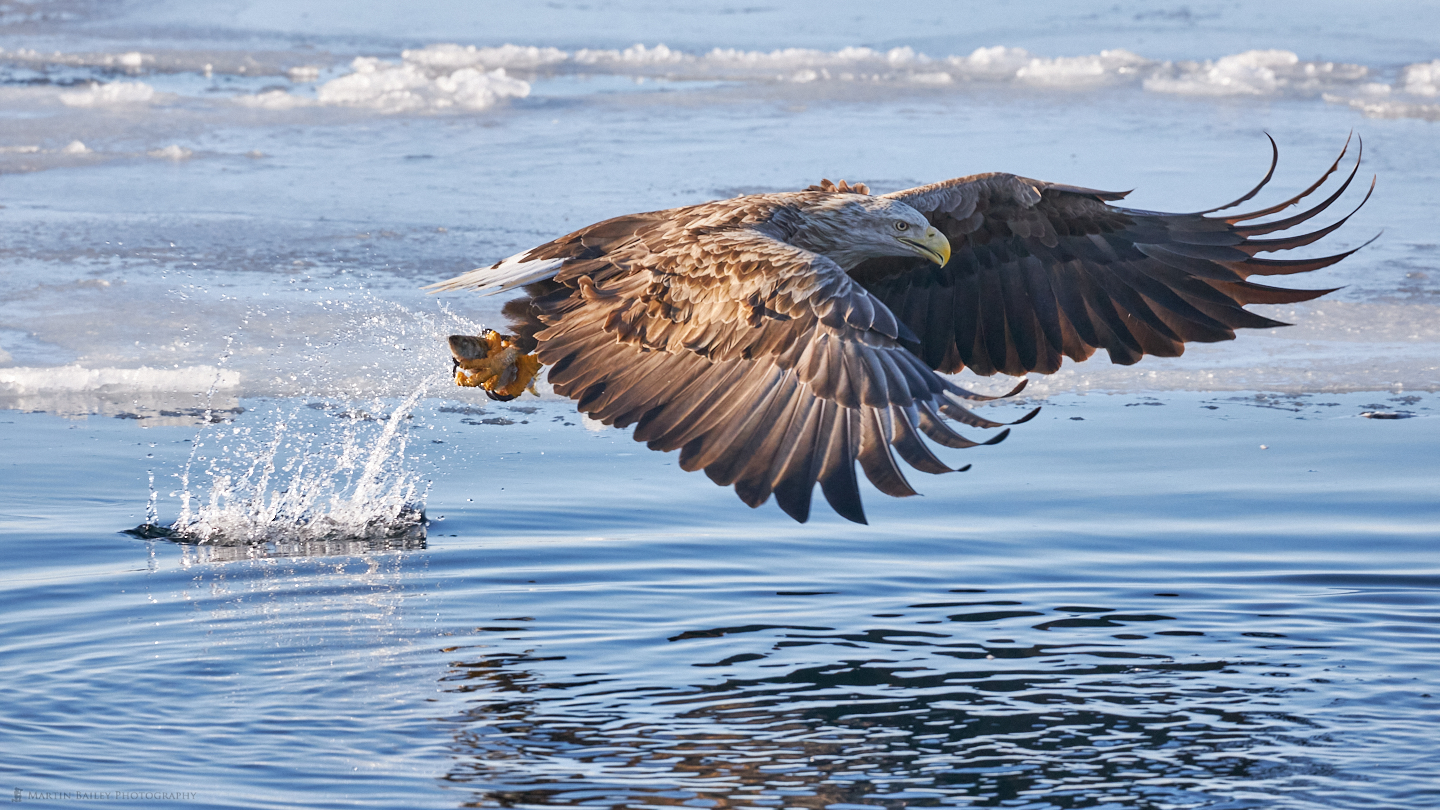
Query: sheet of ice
{"points": [[112, 93], [21, 381], [279, 204], [409, 87], [128, 62], [1337, 29], [1410, 97], [1253, 73], [1422, 79], [1268, 72], [453, 57], [446, 76]]}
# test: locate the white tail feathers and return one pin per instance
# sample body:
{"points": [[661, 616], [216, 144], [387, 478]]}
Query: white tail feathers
{"points": [[506, 275]]}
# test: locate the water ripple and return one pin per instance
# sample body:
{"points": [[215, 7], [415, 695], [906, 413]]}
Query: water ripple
{"points": [[1056, 709]]}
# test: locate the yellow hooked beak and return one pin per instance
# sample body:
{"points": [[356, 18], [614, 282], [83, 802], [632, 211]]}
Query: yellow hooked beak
{"points": [[934, 246]]}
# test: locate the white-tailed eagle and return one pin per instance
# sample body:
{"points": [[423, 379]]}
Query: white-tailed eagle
{"points": [[777, 339]]}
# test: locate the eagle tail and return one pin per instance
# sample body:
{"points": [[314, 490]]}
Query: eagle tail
{"points": [[516, 271]]}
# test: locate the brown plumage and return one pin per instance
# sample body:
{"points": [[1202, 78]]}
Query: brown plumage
{"points": [[777, 339]]}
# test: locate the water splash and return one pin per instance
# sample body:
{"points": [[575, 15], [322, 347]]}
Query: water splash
{"points": [[312, 473], [317, 463]]}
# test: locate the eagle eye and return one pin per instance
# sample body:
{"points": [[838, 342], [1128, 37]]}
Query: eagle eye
{"points": [[902, 225]]}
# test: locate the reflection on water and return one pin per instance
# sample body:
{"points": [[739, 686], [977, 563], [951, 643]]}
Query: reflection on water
{"points": [[976, 702], [203, 554]]}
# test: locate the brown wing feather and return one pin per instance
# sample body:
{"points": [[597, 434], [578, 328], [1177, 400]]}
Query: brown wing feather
{"points": [[1039, 272], [765, 365]]}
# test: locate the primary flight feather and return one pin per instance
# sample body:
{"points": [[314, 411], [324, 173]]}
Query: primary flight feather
{"points": [[777, 339]]}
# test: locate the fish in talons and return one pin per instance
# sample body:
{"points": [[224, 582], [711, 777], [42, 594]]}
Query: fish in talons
{"points": [[493, 362]]}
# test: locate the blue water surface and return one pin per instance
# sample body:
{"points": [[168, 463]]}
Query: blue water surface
{"points": [[1130, 603]]}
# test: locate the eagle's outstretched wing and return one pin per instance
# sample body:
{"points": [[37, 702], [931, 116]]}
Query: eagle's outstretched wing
{"points": [[771, 368], [762, 363], [1039, 272]]}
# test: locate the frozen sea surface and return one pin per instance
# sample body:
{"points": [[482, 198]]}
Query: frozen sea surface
{"points": [[1206, 581]]}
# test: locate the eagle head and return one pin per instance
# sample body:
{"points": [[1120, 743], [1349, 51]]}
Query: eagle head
{"points": [[851, 228]]}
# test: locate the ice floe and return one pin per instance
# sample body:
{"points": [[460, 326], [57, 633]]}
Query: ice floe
{"points": [[1422, 79], [1410, 97], [466, 78], [150, 394], [425, 81], [274, 100], [171, 152], [803, 65], [637, 54], [130, 61], [111, 93], [1079, 71], [1379, 107], [303, 73], [433, 78], [409, 87], [450, 57], [19, 381], [1255, 73]]}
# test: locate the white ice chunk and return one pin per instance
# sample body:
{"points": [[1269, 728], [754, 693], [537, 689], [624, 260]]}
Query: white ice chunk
{"points": [[904, 57], [1081, 71], [1250, 73], [993, 63], [787, 59], [1403, 100], [407, 87], [75, 378], [171, 152], [303, 73], [1422, 79], [451, 57], [274, 100], [131, 60], [112, 93], [75, 148], [1374, 107], [938, 77], [633, 55], [1253, 73]]}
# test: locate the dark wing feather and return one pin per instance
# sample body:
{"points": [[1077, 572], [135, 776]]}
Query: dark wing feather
{"points": [[1039, 272], [765, 365]]}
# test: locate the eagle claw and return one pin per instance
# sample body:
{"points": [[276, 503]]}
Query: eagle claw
{"points": [[491, 361]]}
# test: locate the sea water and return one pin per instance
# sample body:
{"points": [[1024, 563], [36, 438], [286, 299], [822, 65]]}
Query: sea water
{"points": [[1206, 581]]}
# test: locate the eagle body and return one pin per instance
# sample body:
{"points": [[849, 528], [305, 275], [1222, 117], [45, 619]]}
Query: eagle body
{"points": [[776, 340]]}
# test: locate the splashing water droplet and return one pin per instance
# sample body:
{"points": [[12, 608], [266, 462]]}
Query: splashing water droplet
{"points": [[152, 514], [313, 477], [325, 462]]}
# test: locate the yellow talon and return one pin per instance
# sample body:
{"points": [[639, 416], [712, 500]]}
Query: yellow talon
{"points": [[491, 361]]}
